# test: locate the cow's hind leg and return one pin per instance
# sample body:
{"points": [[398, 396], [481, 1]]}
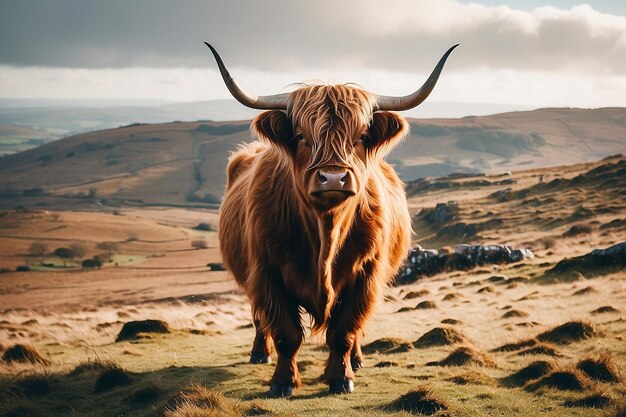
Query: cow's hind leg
{"points": [[343, 334], [262, 347]]}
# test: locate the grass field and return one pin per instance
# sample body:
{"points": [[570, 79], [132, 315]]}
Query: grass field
{"points": [[490, 345]]}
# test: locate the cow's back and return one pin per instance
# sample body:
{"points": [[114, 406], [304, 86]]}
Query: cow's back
{"points": [[232, 231]]}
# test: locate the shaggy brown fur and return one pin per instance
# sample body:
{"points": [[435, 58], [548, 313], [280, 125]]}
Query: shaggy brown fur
{"points": [[291, 250]]}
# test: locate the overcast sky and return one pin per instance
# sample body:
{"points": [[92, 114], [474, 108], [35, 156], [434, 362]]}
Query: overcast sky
{"points": [[527, 53]]}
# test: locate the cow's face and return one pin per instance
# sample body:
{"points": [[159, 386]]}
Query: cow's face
{"points": [[331, 137]]}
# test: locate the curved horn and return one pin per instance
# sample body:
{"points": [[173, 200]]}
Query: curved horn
{"points": [[273, 102], [415, 99]]}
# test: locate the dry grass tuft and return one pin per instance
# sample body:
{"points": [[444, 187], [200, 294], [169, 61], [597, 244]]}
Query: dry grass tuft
{"points": [[34, 385], [451, 321], [95, 366], [133, 329], [471, 377], [425, 305], [258, 408], [569, 332], [464, 355], [597, 400], [198, 400], [578, 229], [602, 368], [514, 313], [532, 371], [586, 290], [145, 395], [419, 401], [440, 336], [387, 345], [386, 364], [23, 411], [112, 378], [511, 347], [452, 296], [566, 380], [415, 294], [605, 309], [541, 349], [23, 353]]}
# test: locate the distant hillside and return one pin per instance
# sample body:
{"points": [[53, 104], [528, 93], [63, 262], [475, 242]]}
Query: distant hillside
{"points": [[182, 164]]}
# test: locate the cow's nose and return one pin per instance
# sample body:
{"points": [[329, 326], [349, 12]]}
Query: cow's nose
{"points": [[332, 181]]}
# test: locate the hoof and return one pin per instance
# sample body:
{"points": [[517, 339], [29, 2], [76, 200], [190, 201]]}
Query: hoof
{"points": [[341, 386], [356, 364], [280, 390], [260, 357]]}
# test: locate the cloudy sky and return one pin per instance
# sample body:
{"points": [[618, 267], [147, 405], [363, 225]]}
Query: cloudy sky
{"points": [[526, 53]]}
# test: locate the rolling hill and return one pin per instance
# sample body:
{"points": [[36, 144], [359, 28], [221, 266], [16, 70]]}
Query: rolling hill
{"points": [[182, 164]]}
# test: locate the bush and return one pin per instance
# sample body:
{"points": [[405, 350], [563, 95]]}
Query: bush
{"points": [[200, 244], [64, 254], [109, 249], [79, 249], [92, 263], [205, 227], [22, 268], [207, 198], [38, 249]]}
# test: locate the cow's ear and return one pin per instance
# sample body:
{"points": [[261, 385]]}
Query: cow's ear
{"points": [[386, 130], [274, 126]]}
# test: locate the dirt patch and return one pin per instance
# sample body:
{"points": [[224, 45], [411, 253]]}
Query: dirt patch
{"points": [[562, 380], [387, 345], [464, 355], [514, 313], [440, 336], [22, 353], [530, 372], [569, 332], [419, 401], [133, 329], [602, 368], [112, 378]]}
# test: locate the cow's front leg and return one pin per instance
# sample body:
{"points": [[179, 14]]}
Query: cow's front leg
{"points": [[262, 347], [356, 355], [343, 334], [280, 316]]}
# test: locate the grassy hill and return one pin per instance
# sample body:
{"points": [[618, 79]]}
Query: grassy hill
{"points": [[182, 164]]}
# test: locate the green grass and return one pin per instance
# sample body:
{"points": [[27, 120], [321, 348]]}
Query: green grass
{"points": [[219, 362]]}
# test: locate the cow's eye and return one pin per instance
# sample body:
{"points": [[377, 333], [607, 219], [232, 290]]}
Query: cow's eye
{"points": [[300, 139], [364, 139]]}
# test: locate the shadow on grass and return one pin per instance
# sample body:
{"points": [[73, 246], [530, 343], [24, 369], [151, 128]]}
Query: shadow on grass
{"points": [[79, 391]]}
